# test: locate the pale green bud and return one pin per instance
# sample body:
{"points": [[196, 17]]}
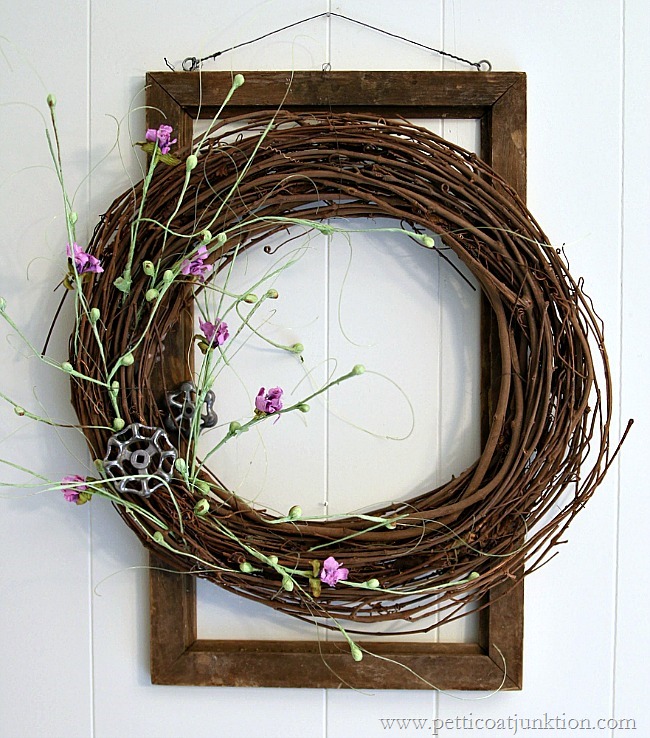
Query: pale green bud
{"points": [[297, 348], [206, 236], [148, 268], [287, 584], [181, 466], [250, 298], [67, 367], [424, 240], [372, 583], [246, 568], [474, 575], [238, 81], [72, 218], [234, 427], [151, 295], [202, 486], [51, 100], [127, 359], [201, 508], [3, 304], [19, 410], [357, 653], [191, 162], [94, 315], [158, 537], [295, 512], [273, 560], [118, 424], [303, 407], [222, 238], [168, 276], [115, 386], [358, 369], [272, 294]]}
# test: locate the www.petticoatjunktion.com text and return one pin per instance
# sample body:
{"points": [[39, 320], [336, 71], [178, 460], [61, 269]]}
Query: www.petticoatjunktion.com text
{"points": [[509, 725]]}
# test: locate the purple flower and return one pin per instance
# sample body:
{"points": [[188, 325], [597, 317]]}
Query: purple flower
{"points": [[84, 262], [162, 137], [195, 266], [73, 492], [216, 334], [332, 572], [269, 402]]}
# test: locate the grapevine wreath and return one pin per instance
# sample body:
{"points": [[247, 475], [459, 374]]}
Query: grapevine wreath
{"points": [[547, 447]]}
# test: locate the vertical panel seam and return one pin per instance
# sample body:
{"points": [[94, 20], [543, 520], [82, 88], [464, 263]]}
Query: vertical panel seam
{"points": [[617, 549], [328, 33], [442, 37], [91, 618], [328, 273]]}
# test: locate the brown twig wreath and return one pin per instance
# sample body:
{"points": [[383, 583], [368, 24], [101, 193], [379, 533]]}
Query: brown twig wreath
{"points": [[548, 430]]}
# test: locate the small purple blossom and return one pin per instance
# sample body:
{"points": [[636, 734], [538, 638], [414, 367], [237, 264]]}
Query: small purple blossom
{"points": [[84, 262], [332, 572], [269, 402], [195, 267], [216, 334], [73, 492], [161, 136]]}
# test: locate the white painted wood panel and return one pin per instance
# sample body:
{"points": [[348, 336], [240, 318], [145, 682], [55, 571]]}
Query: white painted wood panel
{"points": [[201, 29], [574, 130], [74, 661], [631, 673], [45, 604]]}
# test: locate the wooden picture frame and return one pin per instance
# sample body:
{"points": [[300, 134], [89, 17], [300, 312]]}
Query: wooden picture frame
{"points": [[178, 657]]}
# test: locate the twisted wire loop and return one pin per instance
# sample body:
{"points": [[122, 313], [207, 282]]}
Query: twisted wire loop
{"points": [[548, 443]]}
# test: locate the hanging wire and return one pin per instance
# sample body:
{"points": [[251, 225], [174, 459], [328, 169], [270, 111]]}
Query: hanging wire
{"points": [[191, 63]]}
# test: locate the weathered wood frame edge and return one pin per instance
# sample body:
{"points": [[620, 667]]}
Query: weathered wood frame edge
{"points": [[178, 657]]}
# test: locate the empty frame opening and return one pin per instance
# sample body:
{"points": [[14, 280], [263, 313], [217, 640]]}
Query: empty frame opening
{"points": [[363, 295]]}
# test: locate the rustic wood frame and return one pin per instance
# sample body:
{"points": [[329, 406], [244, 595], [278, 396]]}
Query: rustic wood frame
{"points": [[498, 100]]}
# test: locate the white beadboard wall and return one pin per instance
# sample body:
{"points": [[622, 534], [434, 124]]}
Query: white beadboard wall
{"points": [[73, 588]]}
